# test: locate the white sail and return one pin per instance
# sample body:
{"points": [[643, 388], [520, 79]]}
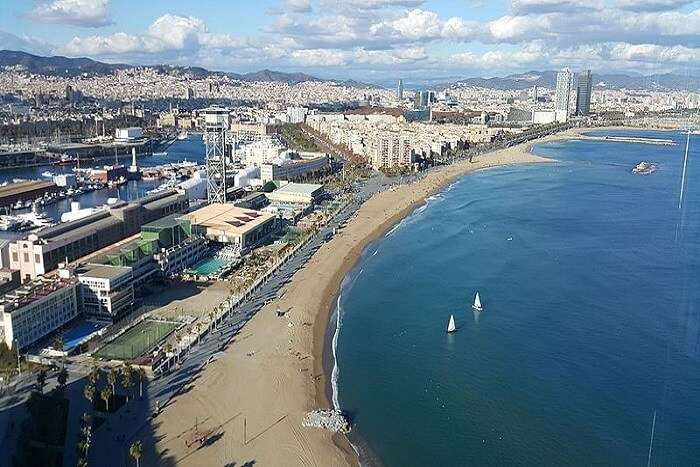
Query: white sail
{"points": [[477, 302], [451, 327]]}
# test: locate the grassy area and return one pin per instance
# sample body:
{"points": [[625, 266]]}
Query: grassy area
{"points": [[297, 139], [140, 339]]}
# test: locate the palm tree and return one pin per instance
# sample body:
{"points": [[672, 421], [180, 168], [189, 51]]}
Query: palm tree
{"points": [[89, 392], [135, 450], [41, 380], [112, 377], [127, 381], [105, 394], [62, 378], [83, 447], [58, 344], [142, 374], [94, 375]]}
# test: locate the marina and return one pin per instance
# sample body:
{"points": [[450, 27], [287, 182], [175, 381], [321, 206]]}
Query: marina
{"points": [[34, 189]]}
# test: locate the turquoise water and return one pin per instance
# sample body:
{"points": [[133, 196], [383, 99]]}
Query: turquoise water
{"points": [[589, 277], [209, 266]]}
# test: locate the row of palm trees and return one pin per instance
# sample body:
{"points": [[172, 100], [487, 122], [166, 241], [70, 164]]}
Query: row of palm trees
{"points": [[127, 373]]}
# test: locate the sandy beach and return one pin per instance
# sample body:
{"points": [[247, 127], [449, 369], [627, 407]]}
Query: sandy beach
{"points": [[256, 395]]}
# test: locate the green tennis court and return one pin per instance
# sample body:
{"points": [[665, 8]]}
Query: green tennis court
{"points": [[138, 340]]}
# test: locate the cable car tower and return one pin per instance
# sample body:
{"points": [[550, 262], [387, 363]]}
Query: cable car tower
{"points": [[216, 126]]}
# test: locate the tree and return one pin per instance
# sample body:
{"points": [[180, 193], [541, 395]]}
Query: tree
{"points": [[82, 462], [94, 375], [105, 394], [127, 380], [112, 377], [135, 450], [41, 380], [89, 392], [142, 375], [62, 378], [83, 447]]}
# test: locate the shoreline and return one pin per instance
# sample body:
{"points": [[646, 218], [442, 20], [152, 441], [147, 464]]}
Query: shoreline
{"points": [[273, 372], [323, 341]]}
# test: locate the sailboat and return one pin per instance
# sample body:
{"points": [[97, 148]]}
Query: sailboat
{"points": [[477, 303], [451, 326]]}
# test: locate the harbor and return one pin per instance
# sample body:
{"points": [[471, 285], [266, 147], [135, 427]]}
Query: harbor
{"points": [[32, 197]]}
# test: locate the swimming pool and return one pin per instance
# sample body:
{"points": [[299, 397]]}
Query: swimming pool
{"points": [[209, 266]]}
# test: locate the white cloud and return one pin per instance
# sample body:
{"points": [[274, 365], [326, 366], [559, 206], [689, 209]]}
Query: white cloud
{"points": [[524, 7], [390, 35], [652, 5], [169, 33], [83, 13], [373, 4], [298, 6]]}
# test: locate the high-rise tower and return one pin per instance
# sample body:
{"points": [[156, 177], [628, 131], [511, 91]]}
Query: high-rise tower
{"points": [[561, 96], [583, 93], [216, 125], [399, 90]]}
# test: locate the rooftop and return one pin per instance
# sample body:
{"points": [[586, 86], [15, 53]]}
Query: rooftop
{"points": [[167, 222], [227, 219], [32, 291], [300, 188], [101, 271]]}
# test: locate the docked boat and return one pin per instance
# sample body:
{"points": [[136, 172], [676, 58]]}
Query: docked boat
{"points": [[477, 303], [451, 325], [182, 135]]}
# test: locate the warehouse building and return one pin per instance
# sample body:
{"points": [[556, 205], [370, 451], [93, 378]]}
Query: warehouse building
{"points": [[43, 251], [297, 193]]}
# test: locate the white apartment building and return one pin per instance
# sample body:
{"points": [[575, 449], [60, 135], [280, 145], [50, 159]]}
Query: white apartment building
{"points": [[296, 114], [106, 292], [36, 309], [391, 150]]}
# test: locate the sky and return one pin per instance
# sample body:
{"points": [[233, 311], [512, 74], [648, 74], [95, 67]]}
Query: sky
{"points": [[365, 39]]}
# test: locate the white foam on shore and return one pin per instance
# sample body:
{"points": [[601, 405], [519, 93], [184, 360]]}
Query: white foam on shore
{"points": [[334, 347]]}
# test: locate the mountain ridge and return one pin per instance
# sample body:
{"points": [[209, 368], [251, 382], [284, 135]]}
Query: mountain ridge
{"points": [[65, 66]]}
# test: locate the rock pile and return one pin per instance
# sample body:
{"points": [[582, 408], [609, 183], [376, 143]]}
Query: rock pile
{"points": [[328, 419]]}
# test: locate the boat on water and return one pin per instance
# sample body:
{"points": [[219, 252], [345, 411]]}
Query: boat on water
{"points": [[161, 153], [644, 168], [47, 174], [477, 303], [182, 135], [451, 325]]}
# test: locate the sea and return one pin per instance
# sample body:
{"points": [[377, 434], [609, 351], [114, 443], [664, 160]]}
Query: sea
{"points": [[190, 149], [587, 351]]}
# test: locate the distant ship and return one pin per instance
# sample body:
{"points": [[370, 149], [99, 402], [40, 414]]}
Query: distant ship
{"points": [[451, 326], [162, 153], [477, 303]]}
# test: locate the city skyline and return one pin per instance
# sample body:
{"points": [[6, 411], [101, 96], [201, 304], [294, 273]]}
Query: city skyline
{"points": [[367, 39]]}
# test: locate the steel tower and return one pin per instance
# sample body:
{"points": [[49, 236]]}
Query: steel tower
{"points": [[216, 125]]}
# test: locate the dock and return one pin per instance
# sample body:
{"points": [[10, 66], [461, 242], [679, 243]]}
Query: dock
{"points": [[631, 139]]}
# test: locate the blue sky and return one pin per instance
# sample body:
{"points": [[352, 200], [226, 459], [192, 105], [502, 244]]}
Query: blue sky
{"points": [[365, 39]]}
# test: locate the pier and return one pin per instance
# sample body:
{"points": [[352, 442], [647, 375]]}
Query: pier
{"points": [[631, 139]]}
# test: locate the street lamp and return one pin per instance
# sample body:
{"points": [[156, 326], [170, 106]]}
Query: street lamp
{"points": [[19, 368]]}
